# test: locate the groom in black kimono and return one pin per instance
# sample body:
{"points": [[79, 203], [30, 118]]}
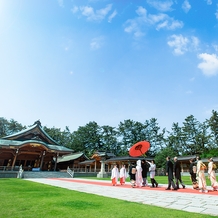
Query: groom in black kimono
{"points": [[169, 173]]}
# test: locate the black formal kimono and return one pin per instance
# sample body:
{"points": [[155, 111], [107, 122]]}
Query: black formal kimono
{"points": [[169, 171], [192, 173], [177, 171], [132, 168]]}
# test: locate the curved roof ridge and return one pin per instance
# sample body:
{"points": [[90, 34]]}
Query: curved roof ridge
{"points": [[34, 126]]}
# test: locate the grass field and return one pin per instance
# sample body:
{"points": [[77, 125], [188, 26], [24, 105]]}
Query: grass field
{"points": [[24, 199]]}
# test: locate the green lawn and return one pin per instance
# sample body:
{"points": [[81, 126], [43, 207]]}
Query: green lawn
{"points": [[25, 199]]}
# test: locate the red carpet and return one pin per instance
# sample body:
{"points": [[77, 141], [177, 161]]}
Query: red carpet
{"points": [[107, 183]]}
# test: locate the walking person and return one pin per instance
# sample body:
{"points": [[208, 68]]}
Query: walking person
{"points": [[212, 175], [144, 173], [169, 173], [114, 175], [152, 169], [201, 167], [132, 173], [193, 171], [123, 175], [138, 174], [177, 173]]}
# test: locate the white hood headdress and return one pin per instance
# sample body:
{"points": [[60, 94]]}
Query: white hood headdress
{"points": [[138, 163]]}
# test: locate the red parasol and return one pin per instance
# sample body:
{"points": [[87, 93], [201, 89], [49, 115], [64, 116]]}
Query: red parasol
{"points": [[139, 148]]}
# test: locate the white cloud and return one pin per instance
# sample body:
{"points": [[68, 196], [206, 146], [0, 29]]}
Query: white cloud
{"points": [[97, 43], [195, 43], [186, 6], [170, 24], [97, 15], [216, 14], [159, 21], [161, 5], [141, 11], [61, 3], [181, 44], [209, 2], [75, 9], [112, 16], [215, 46], [155, 18], [209, 64]]}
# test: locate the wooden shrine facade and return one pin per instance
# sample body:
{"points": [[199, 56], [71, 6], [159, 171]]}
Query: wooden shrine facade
{"points": [[32, 148]]}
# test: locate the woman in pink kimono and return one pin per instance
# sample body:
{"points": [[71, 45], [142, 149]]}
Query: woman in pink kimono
{"points": [[201, 177], [138, 176], [212, 175]]}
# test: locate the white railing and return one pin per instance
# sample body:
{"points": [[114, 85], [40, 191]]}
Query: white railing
{"points": [[70, 172]]}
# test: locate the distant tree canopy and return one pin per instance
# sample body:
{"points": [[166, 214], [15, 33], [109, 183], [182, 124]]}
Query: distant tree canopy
{"points": [[191, 138]]}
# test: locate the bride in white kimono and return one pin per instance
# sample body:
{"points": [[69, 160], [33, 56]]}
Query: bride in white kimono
{"points": [[139, 179]]}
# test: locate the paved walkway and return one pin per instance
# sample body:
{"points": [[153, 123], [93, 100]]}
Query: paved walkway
{"points": [[183, 199]]}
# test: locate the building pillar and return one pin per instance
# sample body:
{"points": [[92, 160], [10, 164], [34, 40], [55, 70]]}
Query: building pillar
{"points": [[95, 167], [102, 173], [15, 158], [42, 159], [56, 160]]}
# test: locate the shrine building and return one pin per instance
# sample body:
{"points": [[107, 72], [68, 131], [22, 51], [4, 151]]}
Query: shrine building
{"points": [[32, 148]]}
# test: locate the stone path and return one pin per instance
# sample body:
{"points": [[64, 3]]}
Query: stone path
{"points": [[183, 199]]}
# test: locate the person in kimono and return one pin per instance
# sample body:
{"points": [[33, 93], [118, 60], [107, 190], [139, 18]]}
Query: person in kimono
{"points": [[177, 173], [193, 171], [201, 177], [169, 173], [114, 175], [212, 175], [132, 174], [138, 178], [123, 175], [144, 172], [152, 169]]}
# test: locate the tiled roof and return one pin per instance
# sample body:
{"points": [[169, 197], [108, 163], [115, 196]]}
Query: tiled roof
{"points": [[36, 128], [87, 162], [9, 143], [70, 157]]}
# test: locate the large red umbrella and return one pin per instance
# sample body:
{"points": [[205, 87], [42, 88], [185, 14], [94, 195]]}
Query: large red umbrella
{"points": [[139, 148]]}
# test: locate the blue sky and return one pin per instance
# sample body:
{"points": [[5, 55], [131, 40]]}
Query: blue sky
{"points": [[71, 62]]}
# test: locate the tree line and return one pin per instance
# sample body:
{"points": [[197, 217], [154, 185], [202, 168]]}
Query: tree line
{"points": [[192, 138]]}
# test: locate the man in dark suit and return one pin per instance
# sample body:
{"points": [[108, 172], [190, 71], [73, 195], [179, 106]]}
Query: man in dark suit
{"points": [[177, 173], [169, 173]]}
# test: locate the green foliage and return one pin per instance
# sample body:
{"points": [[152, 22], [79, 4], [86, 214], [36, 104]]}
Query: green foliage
{"points": [[9, 127], [210, 153], [213, 126], [160, 158], [131, 132]]}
